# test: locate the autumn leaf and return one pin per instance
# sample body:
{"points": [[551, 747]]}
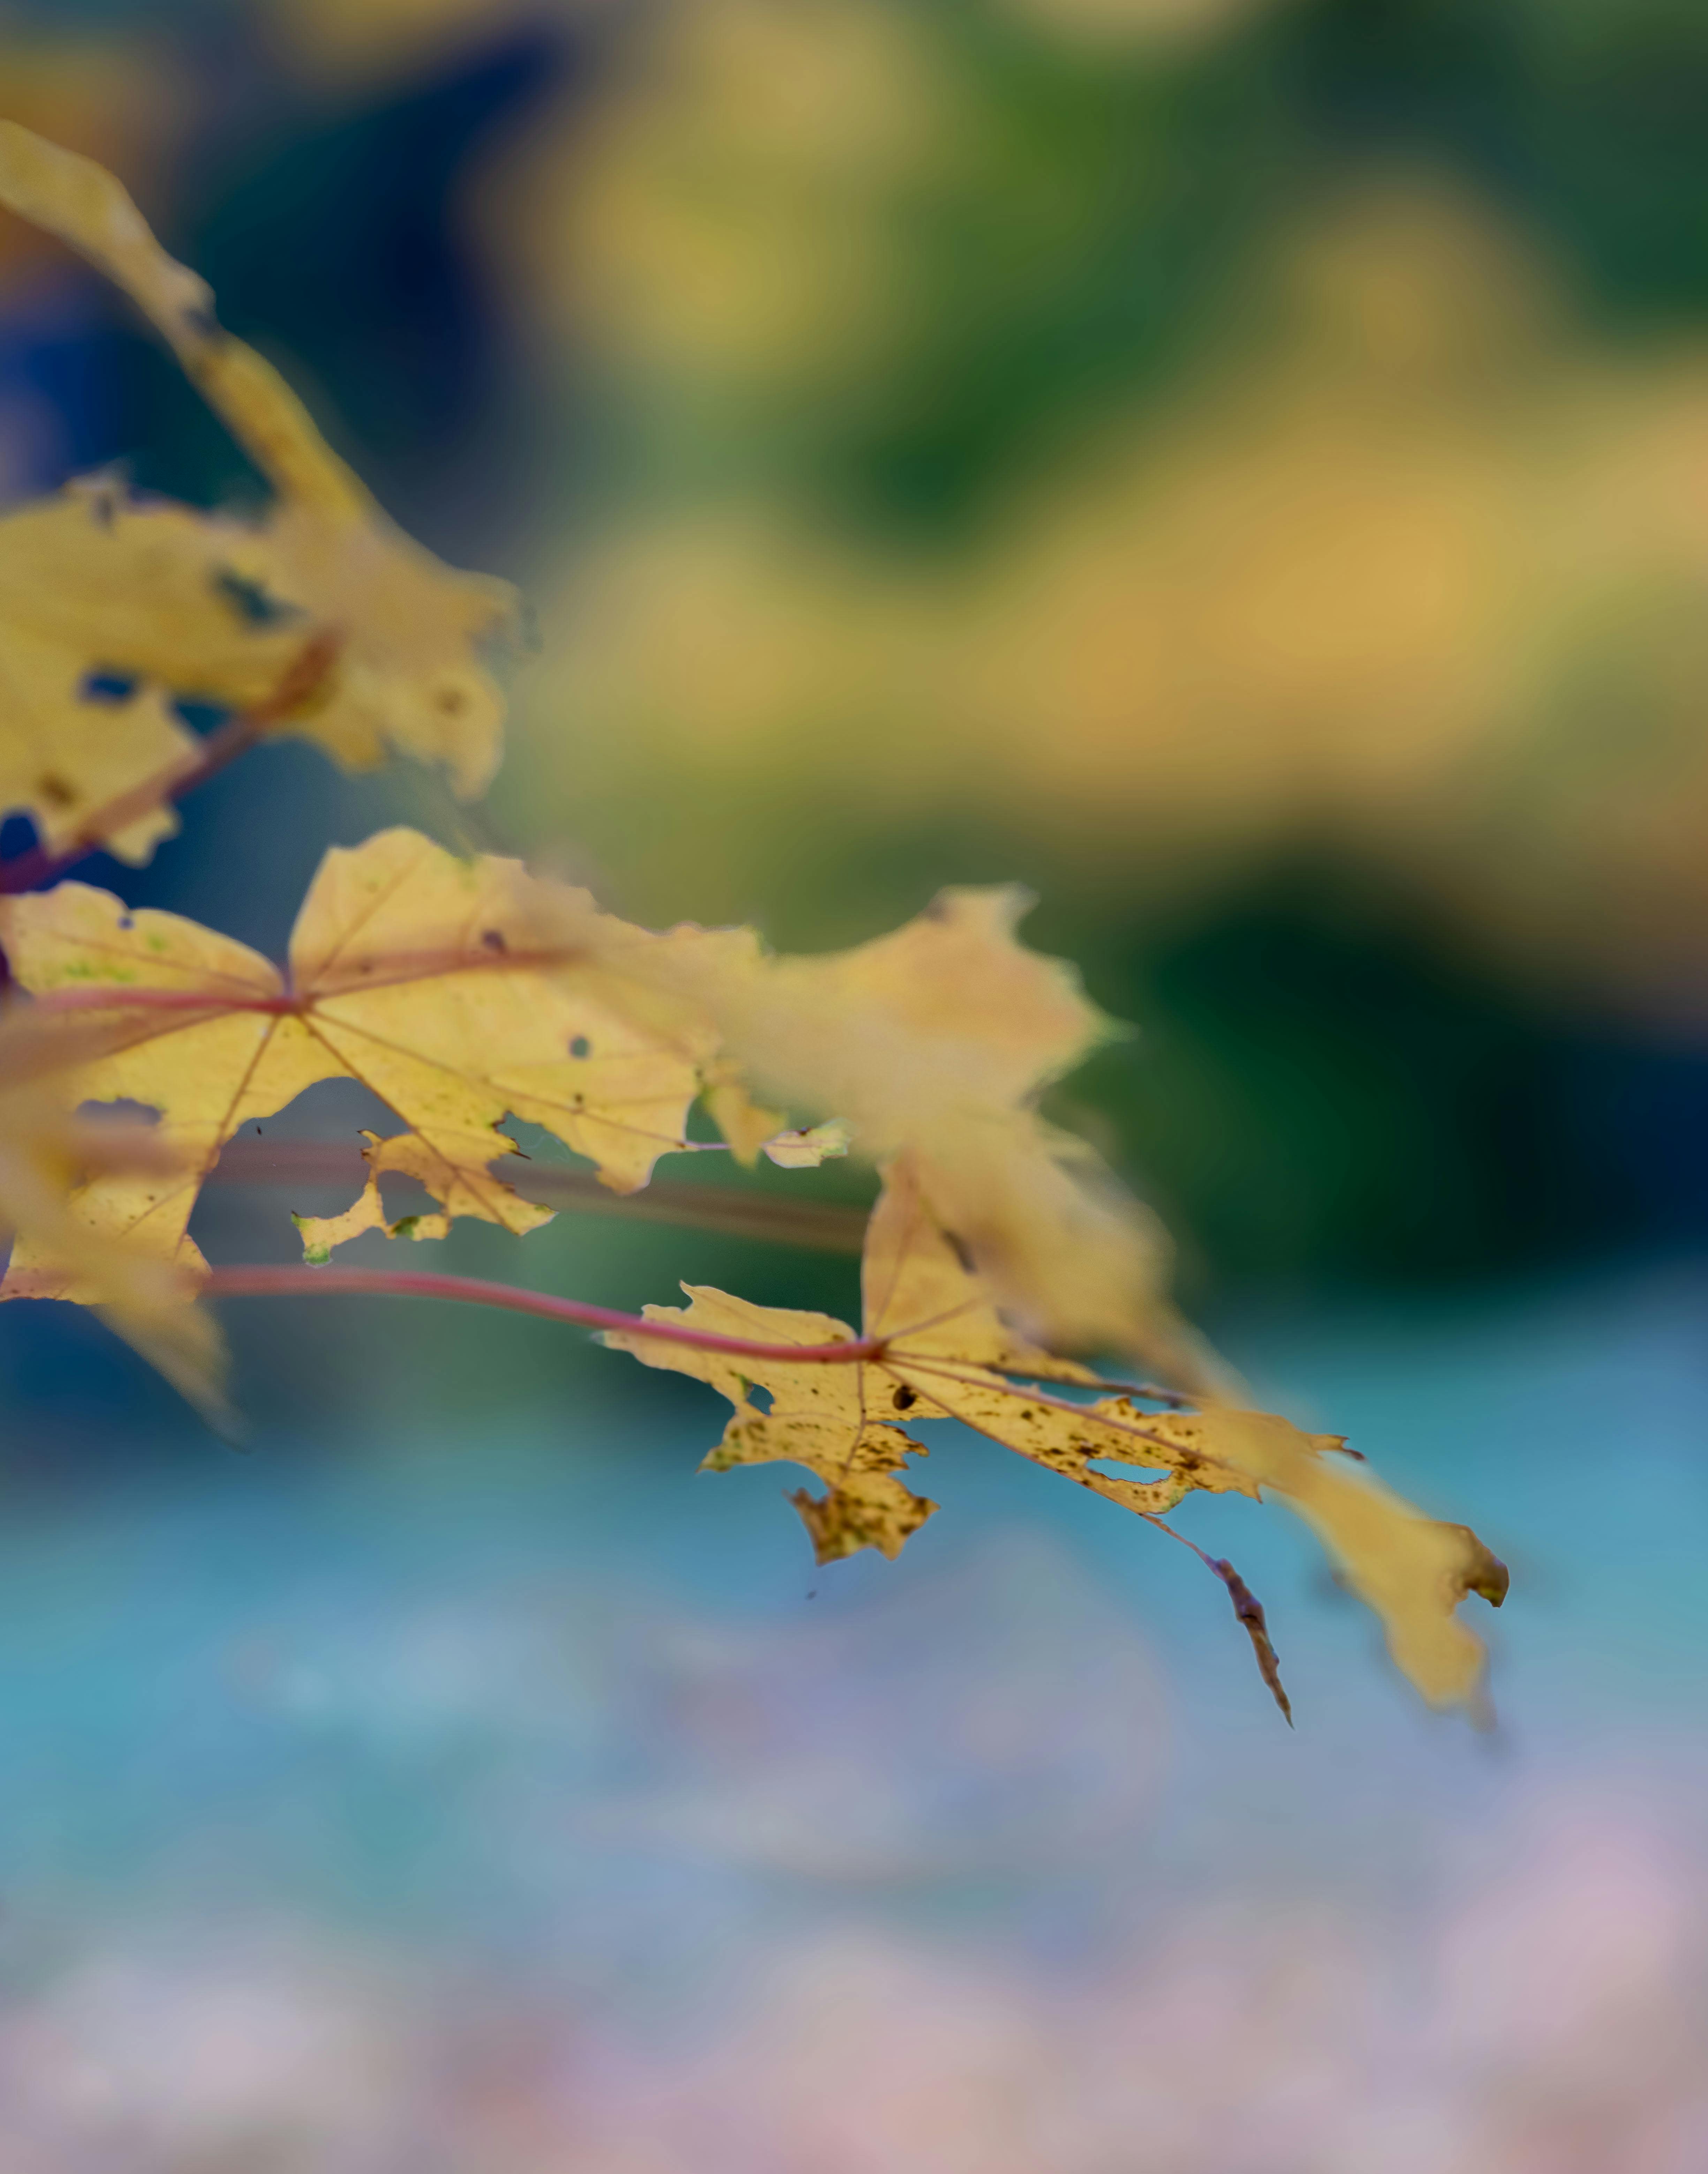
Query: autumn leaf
{"points": [[837, 1420], [936, 1346], [520, 996], [110, 610], [409, 1156], [841, 1420], [935, 1041], [462, 992], [411, 970], [199, 606], [461, 1194], [45, 1154], [1412, 1570]]}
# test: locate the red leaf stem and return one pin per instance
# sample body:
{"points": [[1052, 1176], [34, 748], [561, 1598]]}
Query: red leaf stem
{"points": [[294, 1282]]}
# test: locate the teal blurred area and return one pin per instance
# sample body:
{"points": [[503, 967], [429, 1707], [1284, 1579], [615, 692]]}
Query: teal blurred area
{"points": [[1240, 466], [504, 1797]]}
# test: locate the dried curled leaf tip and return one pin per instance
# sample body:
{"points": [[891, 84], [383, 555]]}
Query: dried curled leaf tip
{"points": [[1481, 1571], [1250, 1611]]}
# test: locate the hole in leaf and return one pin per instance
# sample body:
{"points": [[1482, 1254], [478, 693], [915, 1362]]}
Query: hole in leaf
{"points": [[760, 1398], [111, 687], [580, 1047], [124, 1111], [200, 717], [253, 603]]}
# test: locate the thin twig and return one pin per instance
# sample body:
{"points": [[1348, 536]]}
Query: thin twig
{"points": [[292, 1282], [265, 1282], [303, 679], [827, 1226]]}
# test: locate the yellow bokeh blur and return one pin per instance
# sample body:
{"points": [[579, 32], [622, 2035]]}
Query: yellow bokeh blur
{"points": [[1407, 560]]}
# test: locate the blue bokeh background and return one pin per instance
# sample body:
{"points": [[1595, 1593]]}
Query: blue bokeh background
{"points": [[451, 1778]]}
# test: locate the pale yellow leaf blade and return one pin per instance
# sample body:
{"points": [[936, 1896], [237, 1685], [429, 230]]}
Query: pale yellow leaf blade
{"points": [[415, 972], [923, 1297], [322, 1235], [747, 1126], [460, 1192], [410, 673], [947, 1014], [147, 599], [819, 1417], [934, 1042], [866, 1510], [72, 197], [438, 982], [184, 1028], [807, 1146], [920, 1289], [45, 1157], [802, 1390], [1411, 1569]]}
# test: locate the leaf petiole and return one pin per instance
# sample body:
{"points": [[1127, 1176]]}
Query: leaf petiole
{"points": [[294, 1282]]}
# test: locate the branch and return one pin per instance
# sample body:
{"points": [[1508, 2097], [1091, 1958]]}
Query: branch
{"points": [[303, 680], [824, 1225], [382, 1283], [294, 1281], [474, 1291]]}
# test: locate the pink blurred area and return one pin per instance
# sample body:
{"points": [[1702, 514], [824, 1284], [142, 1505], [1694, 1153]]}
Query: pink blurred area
{"points": [[1540, 2012]]}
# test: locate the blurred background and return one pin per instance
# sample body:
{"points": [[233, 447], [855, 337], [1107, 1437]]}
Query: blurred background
{"points": [[1241, 467]]}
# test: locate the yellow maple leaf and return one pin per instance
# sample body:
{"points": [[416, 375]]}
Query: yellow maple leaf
{"points": [[936, 1040], [408, 674], [933, 1041], [463, 1192], [409, 1156], [46, 1155], [836, 1420], [935, 1346], [148, 596], [420, 975], [1413, 1570]]}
